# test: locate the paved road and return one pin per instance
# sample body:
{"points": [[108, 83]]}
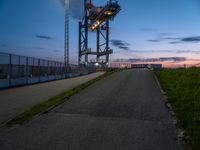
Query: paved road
{"points": [[16, 100], [124, 111]]}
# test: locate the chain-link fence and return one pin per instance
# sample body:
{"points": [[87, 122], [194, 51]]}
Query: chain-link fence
{"points": [[20, 70]]}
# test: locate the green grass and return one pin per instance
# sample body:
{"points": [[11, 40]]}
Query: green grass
{"points": [[44, 107], [183, 90]]}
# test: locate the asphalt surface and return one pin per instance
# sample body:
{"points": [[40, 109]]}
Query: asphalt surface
{"points": [[16, 100], [124, 111]]}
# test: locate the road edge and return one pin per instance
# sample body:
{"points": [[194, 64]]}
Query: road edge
{"points": [[179, 132]]}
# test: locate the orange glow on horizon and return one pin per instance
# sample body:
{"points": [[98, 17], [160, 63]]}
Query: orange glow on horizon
{"points": [[166, 64]]}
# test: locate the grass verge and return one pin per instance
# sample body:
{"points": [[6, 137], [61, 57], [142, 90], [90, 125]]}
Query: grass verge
{"points": [[44, 107], [182, 87]]}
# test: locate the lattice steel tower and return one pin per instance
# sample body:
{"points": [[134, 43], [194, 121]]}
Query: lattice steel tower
{"points": [[66, 43], [96, 19]]}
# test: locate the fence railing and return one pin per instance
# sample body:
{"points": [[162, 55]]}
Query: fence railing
{"points": [[18, 70]]}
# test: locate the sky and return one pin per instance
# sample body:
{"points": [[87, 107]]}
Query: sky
{"points": [[143, 29]]}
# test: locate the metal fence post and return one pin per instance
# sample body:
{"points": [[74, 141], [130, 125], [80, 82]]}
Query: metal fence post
{"points": [[39, 69], [10, 70], [48, 70], [55, 69], [27, 72]]}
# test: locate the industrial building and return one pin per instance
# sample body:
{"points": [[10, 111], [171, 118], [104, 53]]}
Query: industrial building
{"points": [[151, 66], [129, 65]]}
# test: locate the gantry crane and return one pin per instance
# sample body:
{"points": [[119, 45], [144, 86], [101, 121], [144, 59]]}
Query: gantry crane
{"points": [[96, 19]]}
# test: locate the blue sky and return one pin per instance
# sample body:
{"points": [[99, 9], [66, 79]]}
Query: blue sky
{"points": [[144, 28]]}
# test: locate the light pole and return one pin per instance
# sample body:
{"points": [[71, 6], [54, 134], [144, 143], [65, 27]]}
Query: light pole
{"points": [[66, 47]]}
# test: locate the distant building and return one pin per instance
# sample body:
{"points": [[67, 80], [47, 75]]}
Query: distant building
{"points": [[131, 65], [120, 65], [153, 66], [139, 65]]}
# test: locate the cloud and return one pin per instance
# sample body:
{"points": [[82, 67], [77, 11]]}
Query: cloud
{"points": [[165, 34], [174, 40], [120, 44], [124, 48], [160, 59], [44, 37], [161, 37], [57, 51], [170, 38], [76, 8], [164, 51], [148, 29], [50, 50], [187, 51], [191, 39], [155, 40], [3, 45]]}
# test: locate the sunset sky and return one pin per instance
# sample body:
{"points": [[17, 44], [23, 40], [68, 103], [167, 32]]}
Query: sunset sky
{"points": [[143, 29]]}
